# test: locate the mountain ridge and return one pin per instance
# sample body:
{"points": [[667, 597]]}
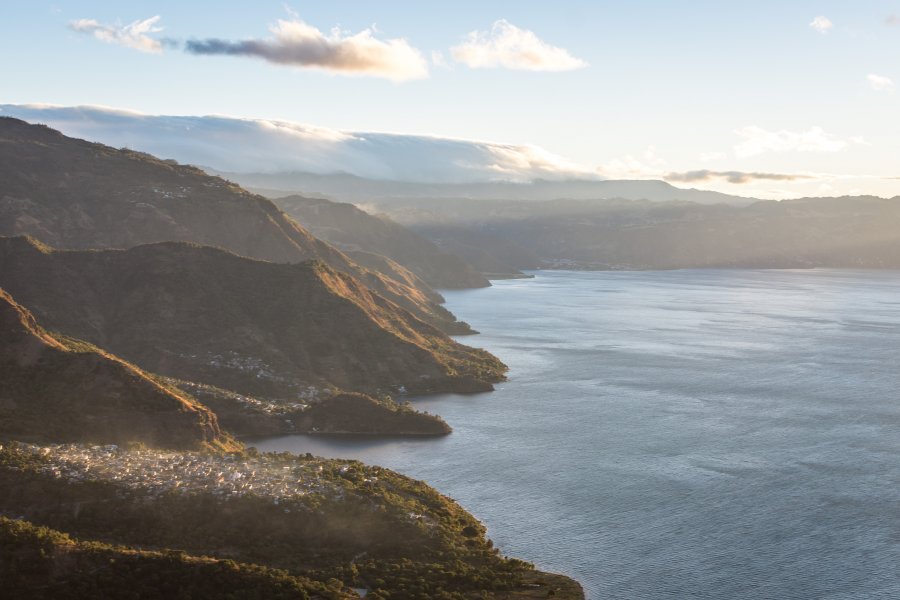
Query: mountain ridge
{"points": [[62, 389], [357, 233], [203, 314], [71, 193]]}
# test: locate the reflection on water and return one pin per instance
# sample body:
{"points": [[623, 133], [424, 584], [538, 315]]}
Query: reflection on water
{"points": [[710, 434]]}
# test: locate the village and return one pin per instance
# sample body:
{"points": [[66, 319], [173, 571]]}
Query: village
{"points": [[156, 472]]}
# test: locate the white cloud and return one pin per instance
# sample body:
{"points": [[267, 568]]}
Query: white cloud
{"points": [[299, 44], [507, 46], [512, 162], [880, 83], [258, 145], [822, 24], [134, 35], [648, 166], [759, 141]]}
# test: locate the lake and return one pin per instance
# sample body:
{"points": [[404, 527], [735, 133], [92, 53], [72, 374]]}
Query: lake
{"points": [[701, 433]]}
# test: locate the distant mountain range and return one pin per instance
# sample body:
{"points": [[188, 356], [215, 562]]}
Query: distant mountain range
{"points": [[246, 314], [365, 237], [281, 158], [861, 231], [70, 193], [358, 189]]}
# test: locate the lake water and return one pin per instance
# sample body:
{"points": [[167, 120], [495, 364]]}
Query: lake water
{"points": [[682, 434]]}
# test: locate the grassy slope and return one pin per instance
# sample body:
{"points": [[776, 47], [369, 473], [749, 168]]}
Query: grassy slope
{"points": [[62, 389], [206, 315]]}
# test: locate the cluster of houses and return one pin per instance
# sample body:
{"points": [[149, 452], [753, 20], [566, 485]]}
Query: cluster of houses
{"points": [[157, 472], [178, 192], [270, 407], [233, 361]]}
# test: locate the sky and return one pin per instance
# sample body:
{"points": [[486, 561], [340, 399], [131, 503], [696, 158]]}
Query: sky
{"points": [[769, 99]]}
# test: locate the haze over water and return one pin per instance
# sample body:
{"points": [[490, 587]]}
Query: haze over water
{"points": [[710, 434]]}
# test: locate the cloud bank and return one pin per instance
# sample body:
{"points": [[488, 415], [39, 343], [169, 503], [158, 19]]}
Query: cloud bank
{"points": [[296, 43], [759, 141], [134, 35], [737, 177], [507, 46], [267, 146]]}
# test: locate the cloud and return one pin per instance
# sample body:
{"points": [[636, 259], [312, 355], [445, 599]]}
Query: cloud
{"points": [[134, 35], [299, 44], [892, 20], [269, 146], [822, 24], [507, 46], [648, 166], [759, 141], [880, 83], [737, 177]]}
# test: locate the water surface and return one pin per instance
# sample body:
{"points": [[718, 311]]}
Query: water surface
{"points": [[681, 434]]}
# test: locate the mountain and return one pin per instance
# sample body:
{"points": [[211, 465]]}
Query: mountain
{"points": [[355, 231], [354, 166], [206, 315], [59, 389], [70, 193], [853, 232], [352, 188], [496, 256]]}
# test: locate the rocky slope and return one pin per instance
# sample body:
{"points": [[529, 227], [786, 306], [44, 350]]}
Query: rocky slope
{"points": [[202, 314], [70, 193], [352, 229], [59, 389]]}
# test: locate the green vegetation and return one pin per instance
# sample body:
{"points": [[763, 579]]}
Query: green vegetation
{"points": [[42, 563], [329, 411], [367, 526]]}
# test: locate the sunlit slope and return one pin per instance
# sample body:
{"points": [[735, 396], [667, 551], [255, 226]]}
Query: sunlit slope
{"points": [[202, 314]]}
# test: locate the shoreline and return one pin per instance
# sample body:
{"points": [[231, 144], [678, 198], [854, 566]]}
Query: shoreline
{"points": [[565, 587]]}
